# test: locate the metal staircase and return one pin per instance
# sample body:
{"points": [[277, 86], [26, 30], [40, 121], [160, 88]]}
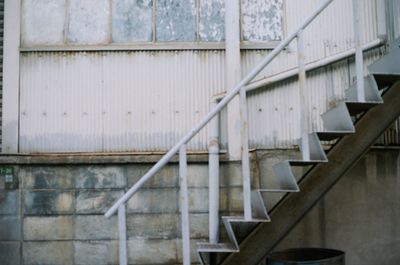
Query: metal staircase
{"points": [[338, 122], [326, 168]]}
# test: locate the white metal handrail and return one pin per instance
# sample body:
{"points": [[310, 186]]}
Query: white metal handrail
{"points": [[240, 89], [233, 92]]}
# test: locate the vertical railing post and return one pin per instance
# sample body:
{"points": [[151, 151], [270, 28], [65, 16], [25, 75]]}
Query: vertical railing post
{"points": [[213, 177], [244, 131], [123, 257], [305, 147], [184, 205], [359, 52]]}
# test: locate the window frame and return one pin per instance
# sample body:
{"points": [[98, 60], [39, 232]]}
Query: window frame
{"points": [[155, 45]]}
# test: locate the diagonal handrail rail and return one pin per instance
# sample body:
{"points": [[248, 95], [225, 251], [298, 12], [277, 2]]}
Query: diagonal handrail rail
{"points": [[232, 93]]}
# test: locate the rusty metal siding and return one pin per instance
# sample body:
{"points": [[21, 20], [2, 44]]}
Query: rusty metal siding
{"points": [[115, 101]]}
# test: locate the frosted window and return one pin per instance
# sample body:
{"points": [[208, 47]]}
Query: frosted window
{"points": [[176, 20], [212, 20], [89, 21], [43, 22], [132, 20], [262, 20]]}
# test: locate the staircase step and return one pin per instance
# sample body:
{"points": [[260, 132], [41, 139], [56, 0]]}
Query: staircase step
{"points": [[387, 69], [338, 119], [277, 190], [315, 150], [329, 135], [284, 176], [241, 219], [305, 162], [219, 247], [357, 107]]}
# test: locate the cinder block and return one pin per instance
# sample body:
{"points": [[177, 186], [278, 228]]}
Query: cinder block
{"points": [[231, 174], [168, 176], [55, 177], [142, 251], [234, 199], [96, 252], [10, 227], [96, 227], [10, 204], [96, 202], [48, 228], [100, 177], [10, 253], [152, 226], [198, 200], [154, 201], [48, 253], [198, 225], [197, 175], [49, 202]]}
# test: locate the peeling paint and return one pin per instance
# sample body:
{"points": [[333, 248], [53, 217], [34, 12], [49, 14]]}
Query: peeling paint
{"points": [[176, 20], [262, 20], [43, 22], [88, 21], [132, 20], [212, 20]]}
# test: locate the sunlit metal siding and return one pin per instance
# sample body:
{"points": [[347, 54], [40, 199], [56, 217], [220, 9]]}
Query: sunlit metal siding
{"points": [[115, 101], [274, 112], [144, 101]]}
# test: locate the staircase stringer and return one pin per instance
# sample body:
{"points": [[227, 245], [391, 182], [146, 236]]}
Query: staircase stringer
{"points": [[318, 181]]}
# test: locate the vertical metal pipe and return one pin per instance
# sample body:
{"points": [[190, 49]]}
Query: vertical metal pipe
{"points": [[233, 74], [213, 177], [184, 205], [305, 147], [359, 53], [123, 257], [245, 155]]}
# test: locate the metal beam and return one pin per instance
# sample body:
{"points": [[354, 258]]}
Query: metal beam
{"points": [[10, 101], [318, 182]]}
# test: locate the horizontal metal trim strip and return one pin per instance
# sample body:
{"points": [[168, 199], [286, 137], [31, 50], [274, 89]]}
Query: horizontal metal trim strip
{"points": [[152, 47]]}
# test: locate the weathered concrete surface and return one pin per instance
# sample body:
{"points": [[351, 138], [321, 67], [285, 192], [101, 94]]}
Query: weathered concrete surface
{"points": [[10, 253], [48, 253], [63, 208], [360, 215], [48, 228]]}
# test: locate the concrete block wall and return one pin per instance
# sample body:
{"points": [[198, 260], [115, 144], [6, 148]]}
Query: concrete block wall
{"points": [[56, 215]]}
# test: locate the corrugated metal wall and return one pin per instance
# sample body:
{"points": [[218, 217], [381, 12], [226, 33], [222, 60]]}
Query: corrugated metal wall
{"points": [[144, 101], [115, 101]]}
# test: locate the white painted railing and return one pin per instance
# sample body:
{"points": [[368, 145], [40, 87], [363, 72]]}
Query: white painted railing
{"points": [[240, 89]]}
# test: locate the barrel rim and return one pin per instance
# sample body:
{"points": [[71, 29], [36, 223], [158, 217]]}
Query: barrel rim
{"points": [[335, 255]]}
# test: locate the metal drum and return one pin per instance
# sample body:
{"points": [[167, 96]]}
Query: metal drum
{"points": [[307, 256]]}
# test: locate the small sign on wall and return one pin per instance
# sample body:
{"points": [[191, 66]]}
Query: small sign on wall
{"points": [[8, 177]]}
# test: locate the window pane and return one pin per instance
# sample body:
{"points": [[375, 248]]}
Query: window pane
{"points": [[43, 22], [212, 20], [132, 20], [176, 20], [262, 20], [89, 21]]}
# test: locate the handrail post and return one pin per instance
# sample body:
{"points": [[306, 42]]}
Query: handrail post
{"points": [[305, 147], [213, 177], [359, 52], [244, 131], [184, 205], [123, 257]]}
